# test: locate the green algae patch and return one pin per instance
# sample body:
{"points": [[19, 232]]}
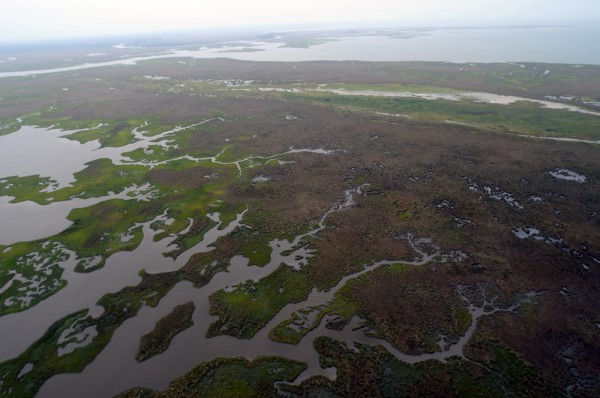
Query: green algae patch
{"points": [[50, 354], [521, 117], [418, 307], [253, 244], [100, 178], [158, 340], [186, 192], [46, 361], [403, 290], [248, 308], [229, 377], [117, 135], [93, 239], [32, 272], [109, 133], [293, 329], [416, 158], [25, 188], [372, 371]]}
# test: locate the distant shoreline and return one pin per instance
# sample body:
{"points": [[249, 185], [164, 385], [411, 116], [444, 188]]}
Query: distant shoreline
{"points": [[526, 44]]}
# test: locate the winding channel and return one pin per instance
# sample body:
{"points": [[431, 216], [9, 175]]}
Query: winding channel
{"points": [[47, 153], [84, 290], [117, 361]]}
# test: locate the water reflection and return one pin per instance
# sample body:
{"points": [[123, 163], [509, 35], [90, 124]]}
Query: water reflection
{"points": [[548, 44]]}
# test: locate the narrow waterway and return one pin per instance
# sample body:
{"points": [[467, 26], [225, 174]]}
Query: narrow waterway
{"points": [[117, 361], [20, 330], [48, 153], [27, 221], [45, 152]]}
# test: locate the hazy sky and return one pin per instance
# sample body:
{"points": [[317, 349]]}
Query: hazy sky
{"points": [[39, 19]]}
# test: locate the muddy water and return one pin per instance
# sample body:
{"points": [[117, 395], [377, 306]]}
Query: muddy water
{"points": [[557, 44], [26, 221], [35, 150], [45, 152], [117, 362], [84, 290]]}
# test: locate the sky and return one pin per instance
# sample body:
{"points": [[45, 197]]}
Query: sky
{"points": [[25, 20]]}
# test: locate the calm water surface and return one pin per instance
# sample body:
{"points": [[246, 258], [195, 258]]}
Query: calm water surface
{"points": [[555, 44], [32, 151]]}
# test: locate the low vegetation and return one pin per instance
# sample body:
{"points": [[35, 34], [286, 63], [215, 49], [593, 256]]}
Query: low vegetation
{"points": [[470, 186]]}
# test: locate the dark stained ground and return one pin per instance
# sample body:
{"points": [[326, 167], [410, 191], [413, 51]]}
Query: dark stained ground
{"points": [[419, 175]]}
